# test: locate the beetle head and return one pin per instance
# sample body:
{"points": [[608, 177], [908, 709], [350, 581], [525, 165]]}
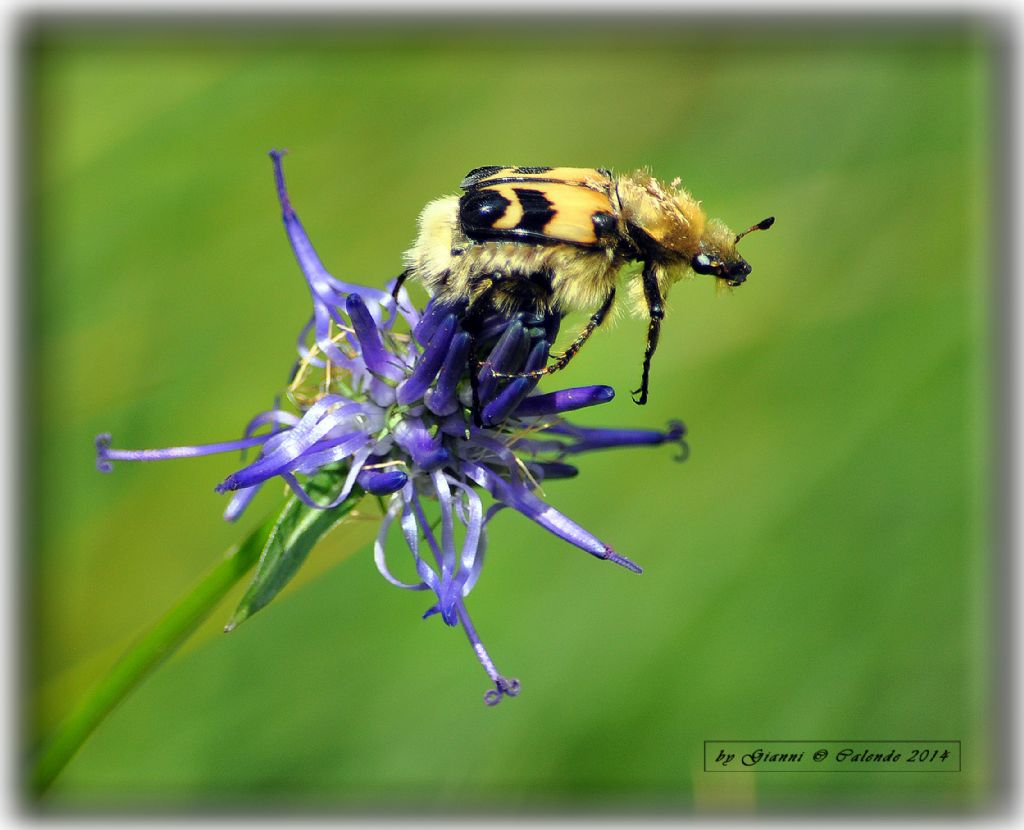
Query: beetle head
{"points": [[718, 256]]}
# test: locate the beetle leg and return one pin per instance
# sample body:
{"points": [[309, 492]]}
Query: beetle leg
{"points": [[657, 312], [399, 282], [563, 359], [474, 315]]}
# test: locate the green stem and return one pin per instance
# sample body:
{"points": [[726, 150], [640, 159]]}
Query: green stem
{"points": [[160, 642]]}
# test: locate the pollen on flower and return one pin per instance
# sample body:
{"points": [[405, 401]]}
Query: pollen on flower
{"points": [[388, 400]]}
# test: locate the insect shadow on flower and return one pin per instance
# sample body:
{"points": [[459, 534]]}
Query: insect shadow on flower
{"points": [[380, 402]]}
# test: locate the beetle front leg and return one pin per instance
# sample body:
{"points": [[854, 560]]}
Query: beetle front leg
{"points": [[657, 313], [399, 282]]}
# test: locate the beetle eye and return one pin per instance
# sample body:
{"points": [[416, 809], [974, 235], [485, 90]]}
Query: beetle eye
{"points": [[701, 264]]}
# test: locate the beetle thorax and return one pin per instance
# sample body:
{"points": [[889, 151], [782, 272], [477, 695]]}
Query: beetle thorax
{"points": [[663, 213]]}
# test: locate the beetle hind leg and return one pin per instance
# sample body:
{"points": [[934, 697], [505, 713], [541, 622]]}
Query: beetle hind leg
{"points": [[560, 362]]}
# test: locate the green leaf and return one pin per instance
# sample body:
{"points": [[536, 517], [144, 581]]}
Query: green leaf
{"points": [[297, 529], [149, 651]]}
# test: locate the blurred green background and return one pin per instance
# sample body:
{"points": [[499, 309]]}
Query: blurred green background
{"points": [[819, 568]]}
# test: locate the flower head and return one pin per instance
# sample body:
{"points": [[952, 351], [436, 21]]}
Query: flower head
{"points": [[380, 398]]}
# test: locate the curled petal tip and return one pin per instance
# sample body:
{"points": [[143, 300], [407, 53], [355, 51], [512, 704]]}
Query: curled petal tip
{"points": [[677, 433], [619, 559], [505, 687], [103, 463]]}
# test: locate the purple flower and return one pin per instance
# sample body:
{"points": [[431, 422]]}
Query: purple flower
{"points": [[381, 397]]}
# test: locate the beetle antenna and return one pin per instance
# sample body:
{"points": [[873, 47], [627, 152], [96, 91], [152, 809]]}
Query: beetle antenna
{"points": [[763, 225]]}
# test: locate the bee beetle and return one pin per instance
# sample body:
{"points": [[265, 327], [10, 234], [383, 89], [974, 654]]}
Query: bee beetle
{"points": [[554, 239]]}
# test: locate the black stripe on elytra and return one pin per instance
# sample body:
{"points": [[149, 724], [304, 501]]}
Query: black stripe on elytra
{"points": [[480, 209], [485, 177], [538, 209], [478, 173]]}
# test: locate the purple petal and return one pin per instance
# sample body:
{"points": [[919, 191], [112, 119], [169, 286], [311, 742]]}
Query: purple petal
{"points": [[443, 494], [411, 527], [502, 359], [320, 281], [322, 335], [309, 262], [239, 501], [404, 305], [534, 446], [551, 470], [483, 439], [472, 519], [495, 324], [274, 416], [357, 463], [520, 498], [565, 400], [380, 392], [586, 439], [433, 315], [303, 350], [381, 482], [502, 686], [481, 550], [313, 459], [425, 527], [426, 369], [450, 591], [454, 424], [441, 399], [426, 450], [501, 406], [105, 455], [380, 545], [376, 357], [327, 414]]}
